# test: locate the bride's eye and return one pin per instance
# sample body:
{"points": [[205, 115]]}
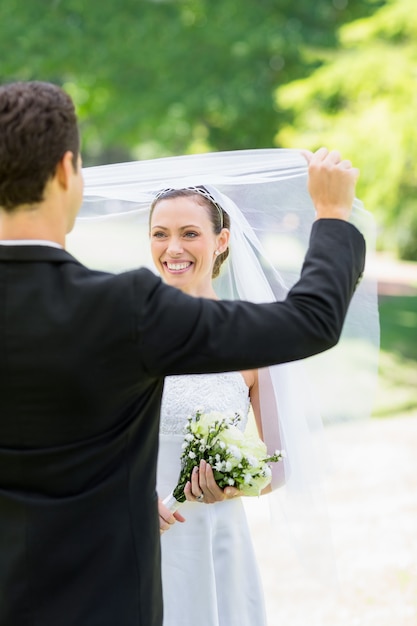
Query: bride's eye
{"points": [[158, 234], [190, 234]]}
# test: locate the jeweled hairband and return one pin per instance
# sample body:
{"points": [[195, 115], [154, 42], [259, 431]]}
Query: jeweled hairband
{"points": [[202, 191]]}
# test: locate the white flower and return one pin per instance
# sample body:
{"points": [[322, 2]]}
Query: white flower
{"points": [[239, 459], [267, 471], [233, 436], [253, 446], [234, 452]]}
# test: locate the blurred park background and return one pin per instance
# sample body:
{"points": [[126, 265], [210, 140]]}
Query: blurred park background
{"points": [[153, 78]]}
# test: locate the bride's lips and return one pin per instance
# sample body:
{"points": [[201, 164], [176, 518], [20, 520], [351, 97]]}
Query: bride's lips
{"points": [[177, 267]]}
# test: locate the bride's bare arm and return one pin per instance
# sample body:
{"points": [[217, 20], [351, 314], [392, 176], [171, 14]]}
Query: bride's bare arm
{"points": [[256, 407]]}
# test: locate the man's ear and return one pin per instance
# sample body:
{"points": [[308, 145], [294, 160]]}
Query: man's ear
{"points": [[65, 169]]}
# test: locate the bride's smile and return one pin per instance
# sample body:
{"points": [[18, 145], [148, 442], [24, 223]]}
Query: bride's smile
{"points": [[177, 267]]}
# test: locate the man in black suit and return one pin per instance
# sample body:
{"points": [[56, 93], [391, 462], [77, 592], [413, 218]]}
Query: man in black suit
{"points": [[83, 359]]}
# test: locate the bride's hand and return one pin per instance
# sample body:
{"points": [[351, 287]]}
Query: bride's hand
{"points": [[203, 488], [166, 518]]}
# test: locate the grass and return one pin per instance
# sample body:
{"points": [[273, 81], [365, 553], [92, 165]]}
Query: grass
{"points": [[397, 388], [399, 326]]}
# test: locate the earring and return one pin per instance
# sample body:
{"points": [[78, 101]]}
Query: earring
{"points": [[216, 252]]}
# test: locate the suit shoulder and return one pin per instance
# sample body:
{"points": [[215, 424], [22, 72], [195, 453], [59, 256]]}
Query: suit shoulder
{"points": [[142, 276], [142, 283]]}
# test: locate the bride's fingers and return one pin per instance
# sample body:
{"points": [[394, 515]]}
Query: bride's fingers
{"points": [[163, 525], [166, 518], [216, 492], [203, 487], [179, 517], [189, 494], [232, 492], [195, 487], [192, 489], [211, 490]]}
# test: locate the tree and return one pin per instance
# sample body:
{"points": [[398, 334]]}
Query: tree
{"points": [[159, 77], [362, 99]]}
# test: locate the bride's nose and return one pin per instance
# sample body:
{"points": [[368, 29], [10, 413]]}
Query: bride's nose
{"points": [[174, 247]]}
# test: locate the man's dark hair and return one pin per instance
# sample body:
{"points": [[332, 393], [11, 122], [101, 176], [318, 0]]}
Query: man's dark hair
{"points": [[38, 125]]}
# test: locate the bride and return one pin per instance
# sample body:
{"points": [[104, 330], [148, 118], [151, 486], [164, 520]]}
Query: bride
{"points": [[250, 199], [209, 572]]}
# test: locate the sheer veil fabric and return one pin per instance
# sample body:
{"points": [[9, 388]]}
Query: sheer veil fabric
{"points": [[265, 194]]}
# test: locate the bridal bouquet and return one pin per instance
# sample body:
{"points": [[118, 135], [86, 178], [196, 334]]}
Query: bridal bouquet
{"points": [[237, 460]]}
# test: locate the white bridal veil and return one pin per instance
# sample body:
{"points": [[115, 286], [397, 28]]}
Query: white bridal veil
{"points": [[265, 194]]}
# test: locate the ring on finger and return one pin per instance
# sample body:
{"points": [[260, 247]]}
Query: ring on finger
{"points": [[200, 498]]}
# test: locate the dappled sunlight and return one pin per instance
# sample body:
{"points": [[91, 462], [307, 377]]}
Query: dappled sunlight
{"points": [[373, 515]]}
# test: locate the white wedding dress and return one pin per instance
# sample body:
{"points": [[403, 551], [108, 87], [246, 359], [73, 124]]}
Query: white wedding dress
{"points": [[209, 572]]}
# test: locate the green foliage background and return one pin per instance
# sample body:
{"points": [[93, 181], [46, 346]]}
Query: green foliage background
{"points": [[362, 99], [159, 77]]}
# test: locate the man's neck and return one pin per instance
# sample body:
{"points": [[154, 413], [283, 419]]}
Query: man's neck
{"points": [[32, 223]]}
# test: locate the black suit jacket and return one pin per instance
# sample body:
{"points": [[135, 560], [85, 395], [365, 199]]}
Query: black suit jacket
{"points": [[83, 357]]}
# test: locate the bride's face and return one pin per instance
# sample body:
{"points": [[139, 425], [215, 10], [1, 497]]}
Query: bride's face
{"points": [[183, 244]]}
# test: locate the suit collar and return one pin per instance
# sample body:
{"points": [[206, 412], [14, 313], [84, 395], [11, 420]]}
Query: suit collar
{"points": [[27, 253], [29, 242]]}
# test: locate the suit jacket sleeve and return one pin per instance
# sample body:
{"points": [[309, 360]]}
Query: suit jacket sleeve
{"points": [[179, 334]]}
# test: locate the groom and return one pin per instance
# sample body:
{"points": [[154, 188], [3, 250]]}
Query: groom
{"points": [[83, 359]]}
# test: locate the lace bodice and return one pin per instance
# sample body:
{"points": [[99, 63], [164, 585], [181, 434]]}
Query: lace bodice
{"points": [[183, 395]]}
